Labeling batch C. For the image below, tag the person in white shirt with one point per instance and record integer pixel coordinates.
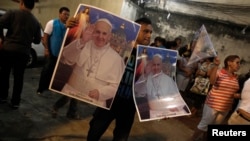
(241, 116)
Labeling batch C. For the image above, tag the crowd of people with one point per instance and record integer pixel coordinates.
(217, 106)
(225, 102)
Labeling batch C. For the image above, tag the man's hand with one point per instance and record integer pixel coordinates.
(71, 22)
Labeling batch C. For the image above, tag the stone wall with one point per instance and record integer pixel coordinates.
(226, 38)
(48, 9)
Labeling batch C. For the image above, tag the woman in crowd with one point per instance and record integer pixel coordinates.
(220, 99)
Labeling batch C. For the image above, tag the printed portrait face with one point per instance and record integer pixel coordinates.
(102, 33)
(156, 65)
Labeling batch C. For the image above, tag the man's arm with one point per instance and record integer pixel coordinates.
(47, 32)
(46, 44)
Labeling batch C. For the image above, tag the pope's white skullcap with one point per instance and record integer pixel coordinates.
(106, 21)
(158, 55)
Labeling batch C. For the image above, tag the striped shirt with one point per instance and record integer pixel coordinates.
(221, 96)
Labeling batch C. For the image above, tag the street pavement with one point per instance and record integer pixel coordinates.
(33, 120)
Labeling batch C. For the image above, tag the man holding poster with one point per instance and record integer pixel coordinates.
(123, 107)
(94, 77)
(98, 72)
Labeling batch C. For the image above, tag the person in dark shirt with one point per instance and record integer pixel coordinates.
(23, 29)
(123, 107)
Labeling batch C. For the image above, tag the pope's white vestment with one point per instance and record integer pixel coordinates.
(95, 68)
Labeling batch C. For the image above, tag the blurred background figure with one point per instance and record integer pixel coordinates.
(159, 42)
(23, 29)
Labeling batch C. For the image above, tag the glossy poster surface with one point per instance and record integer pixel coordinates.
(93, 56)
(155, 91)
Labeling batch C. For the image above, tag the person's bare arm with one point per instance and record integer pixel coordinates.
(46, 44)
(213, 72)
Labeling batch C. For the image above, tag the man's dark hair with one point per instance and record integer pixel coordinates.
(143, 20)
(158, 38)
(29, 4)
(177, 38)
(64, 9)
(229, 58)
